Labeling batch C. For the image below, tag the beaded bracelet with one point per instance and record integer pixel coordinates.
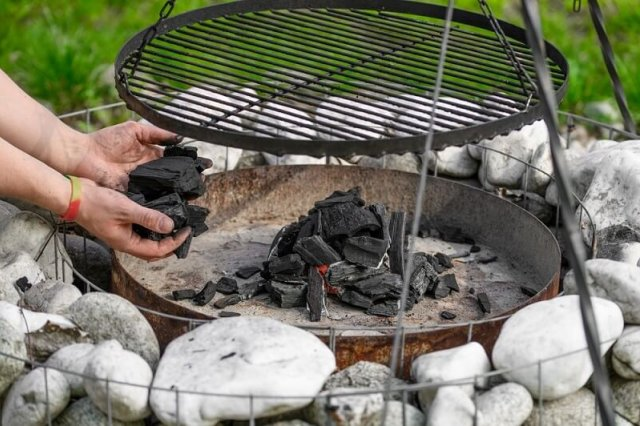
(74, 204)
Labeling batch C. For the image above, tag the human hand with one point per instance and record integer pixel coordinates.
(115, 151)
(110, 215)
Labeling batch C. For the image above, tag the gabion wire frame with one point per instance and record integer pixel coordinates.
(333, 331)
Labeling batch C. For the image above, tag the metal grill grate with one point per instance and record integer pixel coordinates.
(342, 77)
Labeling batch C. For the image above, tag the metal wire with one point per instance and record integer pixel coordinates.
(575, 249)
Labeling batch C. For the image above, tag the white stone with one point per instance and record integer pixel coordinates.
(33, 235)
(627, 252)
(626, 394)
(597, 145)
(83, 412)
(626, 354)
(539, 175)
(461, 363)
(14, 266)
(364, 374)
(452, 407)
(27, 321)
(508, 404)
(109, 362)
(399, 414)
(12, 344)
(339, 406)
(618, 282)
(7, 210)
(575, 409)
(108, 316)
(226, 356)
(549, 329)
(26, 402)
(51, 296)
(346, 118)
(407, 162)
(453, 161)
(287, 122)
(72, 358)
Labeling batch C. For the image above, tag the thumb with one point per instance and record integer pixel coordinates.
(152, 220)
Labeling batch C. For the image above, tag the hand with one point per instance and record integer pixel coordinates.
(115, 151)
(110, 215)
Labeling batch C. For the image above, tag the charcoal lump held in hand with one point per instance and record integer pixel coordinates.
(164, 185)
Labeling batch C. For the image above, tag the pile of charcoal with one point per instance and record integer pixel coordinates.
(165, 185)
(353, 252)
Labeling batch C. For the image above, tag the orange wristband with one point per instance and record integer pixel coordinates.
(74, 204)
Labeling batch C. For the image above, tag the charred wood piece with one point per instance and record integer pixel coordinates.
(423, 278)
(365, 251)
(378, 287)
(450, 281)
(486, 259)
(354, 298)
(251, 289)
(396, 249)
(388, 308)
(183, 294)
(315, 251)
(227, 285)
(437, 266)
(446, 315)
(290, 264)
(341, 273)
(228, 314)
(315, 295)
(380, 213)
(444, 260)
(441, 291)
(167, 175)
(347, 220)
(287, 295)
(340, 197)
(285, 240)
(483, 301)
(247, 271)
(206, 294)
(232, 299)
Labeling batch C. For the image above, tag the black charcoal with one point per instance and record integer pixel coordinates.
(202, 164)
(442, 291)
(315, 295)
(289, 279)
(454, 235)
(136, 198)
(228, 314)
(444, 260)
(528, 291)
(437, 266)
(365, 251)
(232, 299)
(347, 220)
(339, 197)
(182, 251)
(166, 175)
(344, 272)
(388, 308)
(432, 287)
(315, 251)
(483, 301)
(291, 264)
(396, 249)
(227, 285)
(474, 249)
(308, 227)
(450, 281)
(380, 213)
(250, 289)
(355, 298)
(486, 259)
(173, 206)
(206, 294)
(285, 240)
(199, 229)
(183, 294)
(247, 271)
(23, 284)
(472, 290)
(446, 315)
(181, 151)
(379, 287)
(196, 214)
(288, 295)
(423, 277)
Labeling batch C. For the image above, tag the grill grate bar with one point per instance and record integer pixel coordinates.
(294, 79)
(334, 51)
(454, 89)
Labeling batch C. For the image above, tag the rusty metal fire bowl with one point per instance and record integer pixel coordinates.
(249, 206)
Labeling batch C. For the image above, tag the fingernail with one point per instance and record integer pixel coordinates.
(166, 224)
(179, 138)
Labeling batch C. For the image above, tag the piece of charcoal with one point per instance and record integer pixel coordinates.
(202, 164)
(247, 271)
(365, 251)
(344, 272)
(441, 291)
(423, 277)
(315, 251)
(380, 213)
(436, 264)
(388, 308)
(396, 249)
(183, 294)
(23, 284)
(307, 227)
(347, 220)
(472, 290)
(181, 151)
(483, 301)
(250, 289)
(206, 294)
(450, 281)
(227, 285)
(528, 291)
(379, 287)
(315, 295)
(288, 295)
(289, 279)
(474, 249)
(290, 264)
(199, 229)
(166, 175)
(432, 287)
(486, 259)
(447, 315)
(173, 206)
(355, 298)
(196, 214)
(232, 299)
(339, 197)
(453, 234)
(444, 260)
(182, 251)
(284, 241)
(136, 197)
(228, 314)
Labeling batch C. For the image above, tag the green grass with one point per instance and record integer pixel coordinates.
(62, 52)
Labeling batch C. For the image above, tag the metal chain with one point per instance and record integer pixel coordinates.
(515, 62)
(151, 32)
(577, 5)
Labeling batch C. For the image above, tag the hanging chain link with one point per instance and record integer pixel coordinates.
(151, 32)
(577, 5)
(515, 62)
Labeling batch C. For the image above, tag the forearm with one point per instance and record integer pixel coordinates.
(26, 178)
(35, 130)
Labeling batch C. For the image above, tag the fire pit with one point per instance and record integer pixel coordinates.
(249, 207)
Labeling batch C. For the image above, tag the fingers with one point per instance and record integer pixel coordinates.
(155, 250)
(151, 219)
(155, 135)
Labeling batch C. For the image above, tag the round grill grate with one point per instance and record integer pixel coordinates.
(332, 77)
